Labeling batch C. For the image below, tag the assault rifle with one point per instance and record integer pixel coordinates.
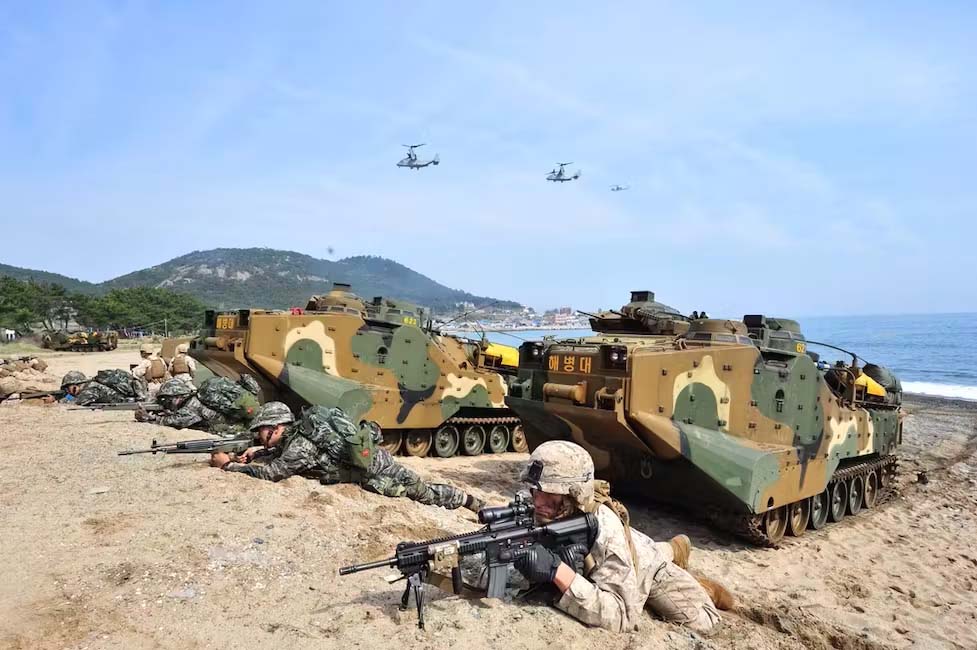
(509, 532)
(118, 406)
(203, 446)
(19, 397)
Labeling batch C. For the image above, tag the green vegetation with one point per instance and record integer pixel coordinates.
(232, 278)
(141, 308)
(25, 306)
(72, 285)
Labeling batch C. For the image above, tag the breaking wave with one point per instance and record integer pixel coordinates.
(954, 391)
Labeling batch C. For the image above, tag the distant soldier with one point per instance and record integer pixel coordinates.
(183, 407)
(112, 387)
(152, 369)
(183, 366)
(327, 446)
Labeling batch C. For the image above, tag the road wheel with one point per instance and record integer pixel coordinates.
(856, 492)
(838, 503)
(498, 439)
(885, 476)
(473, 440)
(418, 443)
(392, 441)
(446, 441)
(819, 511)
(798, 514)
(519, 442)
(775, 524)
(871, 490)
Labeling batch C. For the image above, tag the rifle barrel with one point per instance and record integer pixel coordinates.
(356, 568)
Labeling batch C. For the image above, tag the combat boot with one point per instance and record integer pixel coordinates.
(718, 594)
(681, 550)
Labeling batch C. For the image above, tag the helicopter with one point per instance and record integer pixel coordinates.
(620, 188)
(561, 176)
(411, 161)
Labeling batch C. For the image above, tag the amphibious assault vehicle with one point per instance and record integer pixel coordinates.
(428, 392)
(97, 341)
(733, 419)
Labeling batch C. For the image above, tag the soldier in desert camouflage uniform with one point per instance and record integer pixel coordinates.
(625, 571)
(183, 366)
(151, 369)
(327, 446)
(220, 406)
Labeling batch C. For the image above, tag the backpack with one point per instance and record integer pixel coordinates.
(227, 397)
(120, 381)
(602, 496)
(334, 434)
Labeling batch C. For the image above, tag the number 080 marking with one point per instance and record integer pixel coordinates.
(226, 322)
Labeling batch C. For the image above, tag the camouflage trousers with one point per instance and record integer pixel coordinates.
(390, 478)
(675, 595)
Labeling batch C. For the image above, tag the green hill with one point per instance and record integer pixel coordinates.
(70, 284)
(228, 278)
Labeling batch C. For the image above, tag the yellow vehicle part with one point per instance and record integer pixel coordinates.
(872, 387)
(508, 354)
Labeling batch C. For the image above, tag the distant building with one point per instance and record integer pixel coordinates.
(7, 336)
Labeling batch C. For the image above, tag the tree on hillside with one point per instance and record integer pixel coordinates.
(24, 304)
(140, 308)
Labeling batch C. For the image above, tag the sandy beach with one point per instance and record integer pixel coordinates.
(150, 551)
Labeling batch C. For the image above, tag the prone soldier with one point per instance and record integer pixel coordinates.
(327, 446)
(220, 406)
(624, 571)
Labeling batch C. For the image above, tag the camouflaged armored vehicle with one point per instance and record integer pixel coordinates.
(96, 341)
(733, 419)
(429, 393)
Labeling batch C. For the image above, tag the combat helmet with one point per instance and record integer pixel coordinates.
(175, 388)
(183, 348)
(562, 467)
(271, 414)
(73, 378)
(146, 348)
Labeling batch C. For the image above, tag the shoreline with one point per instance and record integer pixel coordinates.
(919, 399)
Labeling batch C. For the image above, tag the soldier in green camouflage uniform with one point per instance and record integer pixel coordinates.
(228, 410)
(327, 446)
(72, 384)
(112, 387)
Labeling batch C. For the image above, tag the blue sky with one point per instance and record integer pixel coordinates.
(786, 158)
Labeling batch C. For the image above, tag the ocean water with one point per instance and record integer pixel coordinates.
(933, 354)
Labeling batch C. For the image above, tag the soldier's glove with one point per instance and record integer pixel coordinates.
(142, 415)
(538, 564)
(573, 556)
